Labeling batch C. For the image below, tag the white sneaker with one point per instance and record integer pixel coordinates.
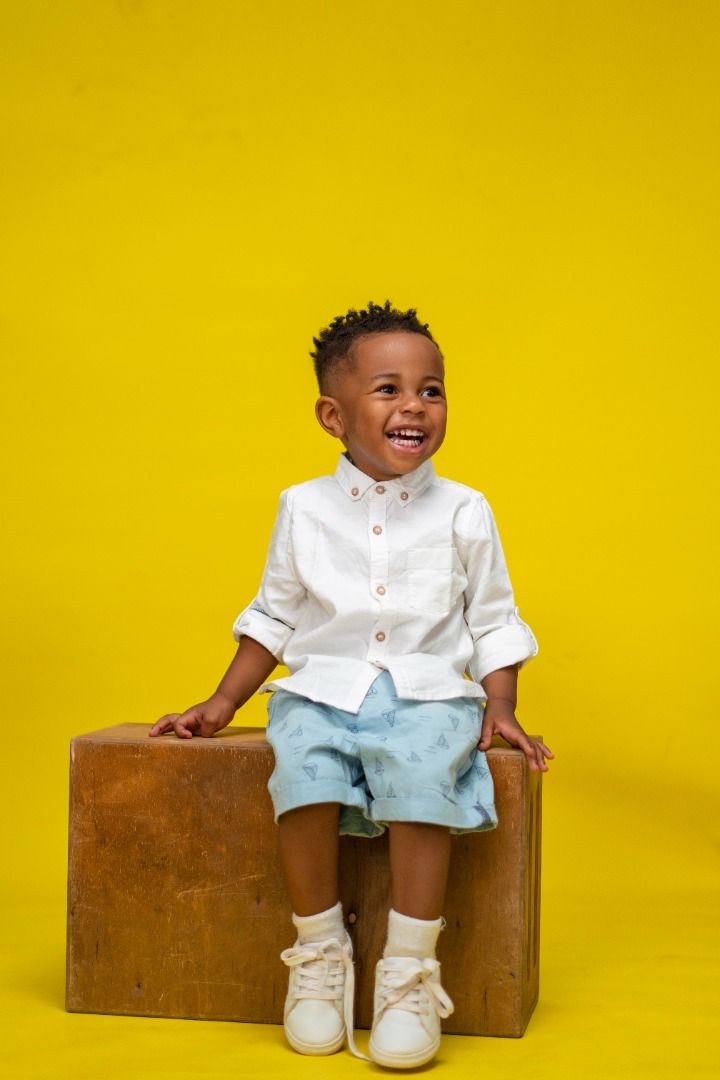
(319, 1004)
(409, 1002)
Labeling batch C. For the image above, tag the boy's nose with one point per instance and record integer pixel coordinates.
(412, 404)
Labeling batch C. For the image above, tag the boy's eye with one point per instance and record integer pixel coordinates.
(386, 388)
(432, 391)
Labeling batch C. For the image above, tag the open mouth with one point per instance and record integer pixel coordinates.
(407, 438)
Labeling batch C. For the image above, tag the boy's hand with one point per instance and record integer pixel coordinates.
(203, 719)
(500, 719)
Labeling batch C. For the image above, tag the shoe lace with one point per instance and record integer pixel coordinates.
(407, 985)
(316, 978)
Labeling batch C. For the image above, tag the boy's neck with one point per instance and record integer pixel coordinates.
(398, 476)
(347, 455)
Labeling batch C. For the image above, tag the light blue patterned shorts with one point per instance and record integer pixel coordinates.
(394, 760)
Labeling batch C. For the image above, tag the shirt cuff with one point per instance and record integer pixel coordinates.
(500, 647)
(255, 623)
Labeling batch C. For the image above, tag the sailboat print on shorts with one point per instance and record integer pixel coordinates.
(441, 742)
(389, 717)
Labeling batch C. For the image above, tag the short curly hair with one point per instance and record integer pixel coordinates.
(335, 342)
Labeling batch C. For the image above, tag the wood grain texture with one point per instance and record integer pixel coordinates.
(177, 905)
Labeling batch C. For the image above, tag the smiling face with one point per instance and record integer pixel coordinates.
(387, 403)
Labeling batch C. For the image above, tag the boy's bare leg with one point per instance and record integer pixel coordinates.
(419, 863)
(309, 853)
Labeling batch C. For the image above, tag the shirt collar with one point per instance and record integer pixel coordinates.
(403, 489)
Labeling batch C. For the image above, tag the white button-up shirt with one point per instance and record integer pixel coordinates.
(406, 575)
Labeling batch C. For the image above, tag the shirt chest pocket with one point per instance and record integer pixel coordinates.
(435, 579)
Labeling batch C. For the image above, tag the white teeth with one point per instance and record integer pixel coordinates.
(408, 438)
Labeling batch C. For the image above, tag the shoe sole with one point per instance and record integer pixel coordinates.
(404, 1061)
(316, 1049)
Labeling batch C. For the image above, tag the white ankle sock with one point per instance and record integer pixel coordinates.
(412, 937)
(325, 924)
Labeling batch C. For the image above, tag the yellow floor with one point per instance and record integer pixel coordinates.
(629, 990)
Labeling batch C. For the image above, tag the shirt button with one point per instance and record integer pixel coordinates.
(403, 495)
(380, 489)
(380, 590)
(377, 529)
(354, 491)
(380, 636)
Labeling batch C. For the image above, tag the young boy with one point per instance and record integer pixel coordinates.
(384, 584)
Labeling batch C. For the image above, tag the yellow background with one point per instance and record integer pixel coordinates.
(191, 191)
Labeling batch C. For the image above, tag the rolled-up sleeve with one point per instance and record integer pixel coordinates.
(500, 637)
(271, 617)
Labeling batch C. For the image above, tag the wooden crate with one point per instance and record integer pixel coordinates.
(177, 905)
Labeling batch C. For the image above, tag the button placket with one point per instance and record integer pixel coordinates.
(379, 562)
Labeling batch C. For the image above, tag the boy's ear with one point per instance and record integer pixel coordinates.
(327, 410)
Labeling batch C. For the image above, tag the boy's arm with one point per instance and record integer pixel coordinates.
(262, 631)
(272, 616)
(248, 670)
(502, 642)
(500, 637)
(501, 689)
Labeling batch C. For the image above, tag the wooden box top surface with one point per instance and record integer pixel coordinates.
(137, 734)
(231, 737)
